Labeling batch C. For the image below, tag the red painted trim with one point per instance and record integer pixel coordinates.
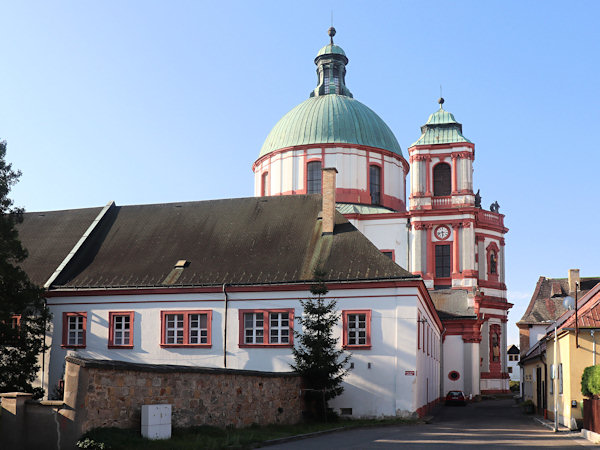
(65, 333)
(494, 375)
(345, 344)
(418, 148)
(186, 331)
(469, 329)
(491, 284)
(334, 285)
(111, 328)
(495, 303)
(324, 146)
(492, 249)
(266, 327)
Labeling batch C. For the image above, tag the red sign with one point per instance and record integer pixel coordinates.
(409, 373)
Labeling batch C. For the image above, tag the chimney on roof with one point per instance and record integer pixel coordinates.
(328, 199)
(573, 278)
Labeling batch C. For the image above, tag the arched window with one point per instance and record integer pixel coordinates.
(442, 180)
(375, 184)
(264, 186)
(313, 177)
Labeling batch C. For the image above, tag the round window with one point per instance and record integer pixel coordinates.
(454, 375)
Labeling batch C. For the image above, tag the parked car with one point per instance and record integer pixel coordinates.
(456, 398)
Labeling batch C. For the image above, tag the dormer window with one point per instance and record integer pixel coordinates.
(441, 180)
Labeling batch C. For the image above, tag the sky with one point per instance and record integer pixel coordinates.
(154, 101)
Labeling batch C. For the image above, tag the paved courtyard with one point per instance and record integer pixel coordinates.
(484, 425)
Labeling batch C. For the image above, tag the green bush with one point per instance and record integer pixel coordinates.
(590, 381)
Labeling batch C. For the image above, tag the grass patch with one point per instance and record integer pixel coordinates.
(213, 437)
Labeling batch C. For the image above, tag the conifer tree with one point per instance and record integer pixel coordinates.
(322, 366)
(23, 311)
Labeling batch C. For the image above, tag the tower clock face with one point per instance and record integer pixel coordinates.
(442, 232)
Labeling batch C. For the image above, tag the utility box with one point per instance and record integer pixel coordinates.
(156, 421)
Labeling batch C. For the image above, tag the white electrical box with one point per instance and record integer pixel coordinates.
(156, 421)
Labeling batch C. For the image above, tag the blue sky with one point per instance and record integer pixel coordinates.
(149, 102)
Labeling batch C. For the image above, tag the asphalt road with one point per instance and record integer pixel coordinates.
(488, 424)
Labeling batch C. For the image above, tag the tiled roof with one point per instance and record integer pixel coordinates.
(235, 241)
(547, 303)
(49, 237)
(588, 314)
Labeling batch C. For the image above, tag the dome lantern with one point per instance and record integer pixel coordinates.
(331, 64)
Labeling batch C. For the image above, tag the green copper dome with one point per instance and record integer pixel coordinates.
(327, 119)
(331, 115)
(331, 49)
(441, 128)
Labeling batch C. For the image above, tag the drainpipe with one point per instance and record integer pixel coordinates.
(594, 345)
(225, 326)
(555, 380)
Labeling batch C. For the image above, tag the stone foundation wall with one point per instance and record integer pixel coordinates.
(111, 393)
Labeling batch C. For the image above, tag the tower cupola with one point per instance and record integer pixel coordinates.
(441, 128)
(331, 64)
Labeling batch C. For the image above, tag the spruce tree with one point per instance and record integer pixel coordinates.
(322, 365)
(23, 311)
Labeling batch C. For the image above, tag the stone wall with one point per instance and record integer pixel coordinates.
(111, 393)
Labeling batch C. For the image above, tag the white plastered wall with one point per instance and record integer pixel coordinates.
(382, 389)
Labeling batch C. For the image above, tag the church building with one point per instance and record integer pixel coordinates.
(442, 235)
(419, 285)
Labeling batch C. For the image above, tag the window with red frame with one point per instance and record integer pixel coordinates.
(356, 329)
(120, 330)
(186, 328)
(74, 329)
(313, 177)
(266, 328)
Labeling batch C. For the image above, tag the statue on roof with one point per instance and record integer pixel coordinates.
(478, 199)
(495, 207)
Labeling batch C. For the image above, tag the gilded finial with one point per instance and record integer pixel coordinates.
(331, 33)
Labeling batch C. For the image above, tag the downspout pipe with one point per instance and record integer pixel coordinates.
(555, 381)
(226, 300)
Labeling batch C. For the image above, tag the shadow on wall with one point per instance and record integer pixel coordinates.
(32, 425)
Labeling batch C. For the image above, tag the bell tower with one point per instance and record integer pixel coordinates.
(458, 249)
(442, 203)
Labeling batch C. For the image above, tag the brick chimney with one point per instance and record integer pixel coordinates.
(328, 199)
(573, 278)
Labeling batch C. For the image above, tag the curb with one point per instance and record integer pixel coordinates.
(550, 425)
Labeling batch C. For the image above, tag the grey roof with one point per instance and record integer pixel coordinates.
(546, 304)
(49, 237)
(235, 241)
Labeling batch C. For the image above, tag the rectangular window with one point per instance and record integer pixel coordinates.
(74, 329)
(357, 329)
(186, 328)
(442, 261)
(375, 184)
(510, 370)
(266, 328)
(388, 253)
(560, 379)
(313, 177)
(120, 329)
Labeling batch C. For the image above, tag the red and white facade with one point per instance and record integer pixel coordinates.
(454, 245)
